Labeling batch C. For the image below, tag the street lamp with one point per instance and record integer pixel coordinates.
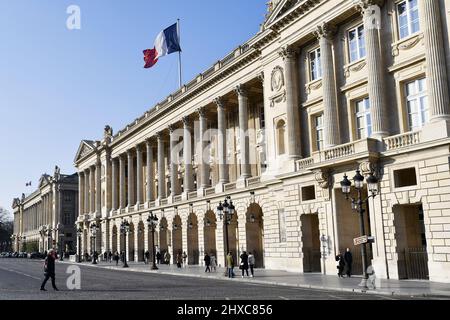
(357, 205)
(49, 238)
(225, 212)
(152, 221)
(94, 228)
(61, 251)
(79, 234)
(124, 229)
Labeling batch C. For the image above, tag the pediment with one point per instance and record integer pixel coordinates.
(277, 9)
(44, 180)
(85, 148)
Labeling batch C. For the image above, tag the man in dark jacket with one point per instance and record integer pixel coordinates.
(348, 258)
(49, 270)
(207, 260)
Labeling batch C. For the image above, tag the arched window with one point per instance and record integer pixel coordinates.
(281, 133)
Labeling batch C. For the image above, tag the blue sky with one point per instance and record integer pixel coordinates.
(59, 86)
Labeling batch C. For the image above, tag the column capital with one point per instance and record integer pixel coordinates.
(366, 4)
(129, 153)
(287, 52)
(201, 112)
(138, 147)
(186, 121)
(159, 135)
(172, 127)
(240, 90)
(219, 103)
(325, 30)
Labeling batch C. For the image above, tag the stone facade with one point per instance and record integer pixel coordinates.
(47, 216)
(325, 88)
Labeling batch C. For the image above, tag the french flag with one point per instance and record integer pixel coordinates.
(167, 42)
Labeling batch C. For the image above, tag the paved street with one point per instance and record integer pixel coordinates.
(21, 278)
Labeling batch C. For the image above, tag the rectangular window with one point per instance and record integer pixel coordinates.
(405, 177)
(319, 132)
(356, 43)
(408, 18)
(417, 103)
(363, 119)
(282, 224)
(315, 64)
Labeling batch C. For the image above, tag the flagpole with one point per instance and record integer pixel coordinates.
(179, 54)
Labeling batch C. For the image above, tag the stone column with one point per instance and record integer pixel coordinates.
(139, 175)
(131, 200)
(174, 155)
(98, 187)
(243, 132)
(122, 197)
(187, 154)
(325, 34)
(161, 168)
(204, 163)
(436, 71)
(86, 191)
(292, 106)
(114, 177)
(375, 68)
(92, 190)
(150, 172)
(80, 198)
(222, 141)
(108, 182)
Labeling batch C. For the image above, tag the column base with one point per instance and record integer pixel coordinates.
(220, 187)
(242, 182)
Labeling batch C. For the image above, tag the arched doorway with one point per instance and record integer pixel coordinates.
(163, 236)
(209, 232)
(192, 236)
(177, 237)
(311, 242)
(131, 248)
(114, 239)
(140, 248)
(254, 233)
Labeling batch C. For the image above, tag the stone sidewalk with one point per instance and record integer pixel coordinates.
(283, 278)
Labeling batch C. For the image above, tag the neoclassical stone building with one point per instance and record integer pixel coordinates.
(42, 217)
(325, 88)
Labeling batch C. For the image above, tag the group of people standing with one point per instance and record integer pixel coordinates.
(344, 262)
(247, 261)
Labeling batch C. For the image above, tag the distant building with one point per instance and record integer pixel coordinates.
(41, 218)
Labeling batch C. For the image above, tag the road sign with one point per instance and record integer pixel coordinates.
(360, 240)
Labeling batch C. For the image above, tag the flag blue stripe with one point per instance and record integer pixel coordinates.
(172, 39)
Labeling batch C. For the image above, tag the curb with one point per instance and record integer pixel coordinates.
(294, 285)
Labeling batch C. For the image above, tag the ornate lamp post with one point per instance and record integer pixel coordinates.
(124, 229)
(357, 205)
(225, 212)
(79, 234)
(49, 238)
(94, 228)
(152, 221)
(61, 251)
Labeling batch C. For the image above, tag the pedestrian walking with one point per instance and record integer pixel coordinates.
(184, 259)
(244, 263)
(158, 257)
(207, 260)
(251, 262)
(213, 262)
(49, 270)
(167, 258)
(230, 265)
(348, 258)
(105, 256)
(116, 258)
(147, 256)
(179, 260)
(340, 264)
